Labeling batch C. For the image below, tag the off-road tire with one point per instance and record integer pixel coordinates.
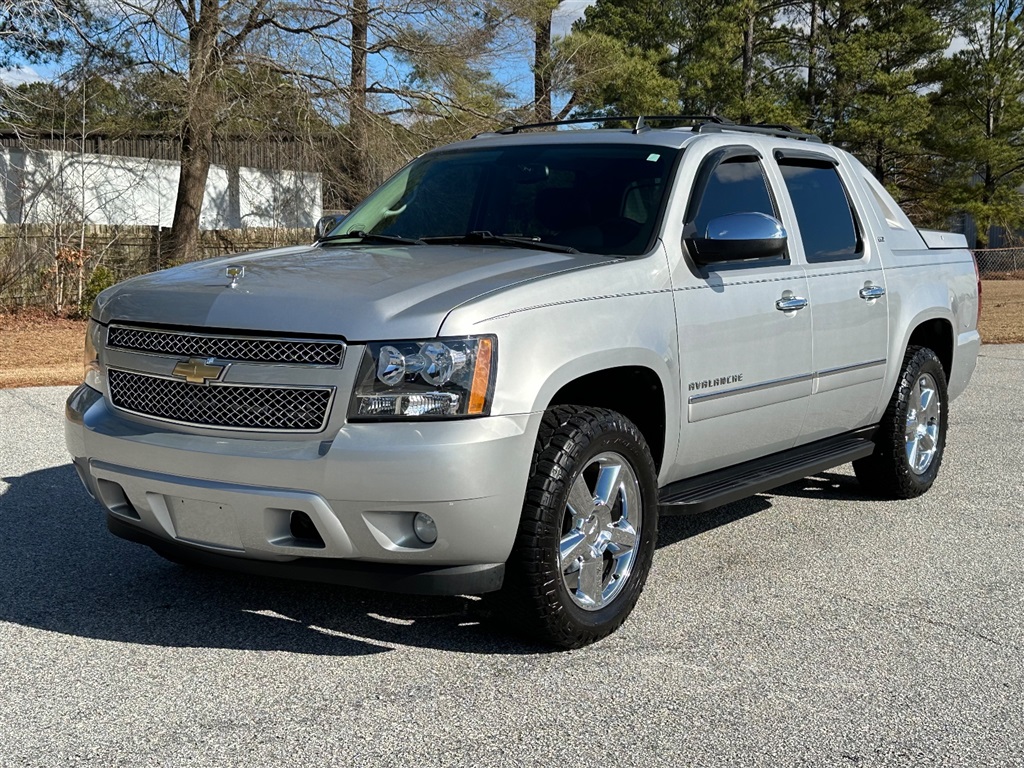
(887, 473)
(535, 599)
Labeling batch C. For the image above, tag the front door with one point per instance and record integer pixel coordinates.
(745, 331)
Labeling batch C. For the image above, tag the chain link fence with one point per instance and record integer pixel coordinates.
(1004, 263)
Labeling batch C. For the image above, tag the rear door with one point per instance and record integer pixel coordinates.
(846, 288)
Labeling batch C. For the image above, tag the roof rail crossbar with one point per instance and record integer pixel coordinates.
(769, 129)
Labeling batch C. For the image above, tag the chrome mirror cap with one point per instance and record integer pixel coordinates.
(324, 226)
(738, 237)
(746, 226)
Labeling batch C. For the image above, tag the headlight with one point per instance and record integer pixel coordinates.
(93, 374)
(440, 378)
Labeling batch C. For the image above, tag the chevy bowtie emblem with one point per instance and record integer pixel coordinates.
(196, 370)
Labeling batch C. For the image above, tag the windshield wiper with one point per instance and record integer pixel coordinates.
(486, 238)
(371, 237)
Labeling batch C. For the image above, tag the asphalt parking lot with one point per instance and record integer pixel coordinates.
(808, 626)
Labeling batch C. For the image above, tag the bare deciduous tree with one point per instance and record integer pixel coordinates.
(200, 42)
(339, 54)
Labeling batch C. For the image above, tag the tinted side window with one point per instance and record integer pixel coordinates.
(827, 225)
(737, 185)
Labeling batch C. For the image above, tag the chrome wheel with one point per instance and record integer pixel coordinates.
(924, 412)
(600, 531)
(589, 525)
(911, 434)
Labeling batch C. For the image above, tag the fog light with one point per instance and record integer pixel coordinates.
(425, 528)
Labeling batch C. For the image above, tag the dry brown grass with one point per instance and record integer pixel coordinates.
(37, 349)
(1002, 311)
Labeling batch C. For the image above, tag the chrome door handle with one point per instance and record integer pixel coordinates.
(790, 304)
(872, 292)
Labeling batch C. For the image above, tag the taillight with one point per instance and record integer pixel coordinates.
(977, 277)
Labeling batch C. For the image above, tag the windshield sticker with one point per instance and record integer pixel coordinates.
(653, 157)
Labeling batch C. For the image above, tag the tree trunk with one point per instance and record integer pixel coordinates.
(542, 65)
(358, 117)
(812, 69)
(196, 148)
(196, 131)
(748, 63)
(840, 87)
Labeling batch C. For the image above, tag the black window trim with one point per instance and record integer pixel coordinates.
(793, 156)
(707, 167)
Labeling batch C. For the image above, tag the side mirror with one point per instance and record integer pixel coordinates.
(739, 236)
(325, 225)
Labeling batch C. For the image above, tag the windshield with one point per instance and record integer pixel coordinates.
(596, 198)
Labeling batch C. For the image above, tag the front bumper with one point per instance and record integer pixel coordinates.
(232, 501)
(411, 579)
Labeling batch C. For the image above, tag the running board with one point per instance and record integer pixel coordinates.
(713, 489)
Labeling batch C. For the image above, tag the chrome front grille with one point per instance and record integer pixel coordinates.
(228, 406)
(243, 349)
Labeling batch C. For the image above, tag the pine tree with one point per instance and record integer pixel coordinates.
(979, 121)
(727, 57)
(879, 60)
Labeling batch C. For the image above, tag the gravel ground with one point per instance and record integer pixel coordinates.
(808, 626)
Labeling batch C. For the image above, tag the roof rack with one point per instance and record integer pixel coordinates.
(639, 121)
(770, 129)
(702, 124)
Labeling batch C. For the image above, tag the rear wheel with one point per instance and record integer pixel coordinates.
(588, 528)
(912, 435)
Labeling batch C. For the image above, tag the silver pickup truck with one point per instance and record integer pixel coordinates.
(499, 370)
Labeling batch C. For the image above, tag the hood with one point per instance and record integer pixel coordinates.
(361, 293)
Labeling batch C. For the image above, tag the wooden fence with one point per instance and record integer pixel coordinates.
(47, 266)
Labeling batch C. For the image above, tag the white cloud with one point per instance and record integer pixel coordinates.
(956, 45)
(566, 13)
(19, 75)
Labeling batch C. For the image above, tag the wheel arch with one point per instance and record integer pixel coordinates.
(936, 333)
(635, 391)
(933, 330)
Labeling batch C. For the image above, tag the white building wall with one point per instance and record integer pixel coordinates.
(47, 187)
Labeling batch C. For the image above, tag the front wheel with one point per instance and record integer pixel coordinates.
(912, 434)
(588, 528)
